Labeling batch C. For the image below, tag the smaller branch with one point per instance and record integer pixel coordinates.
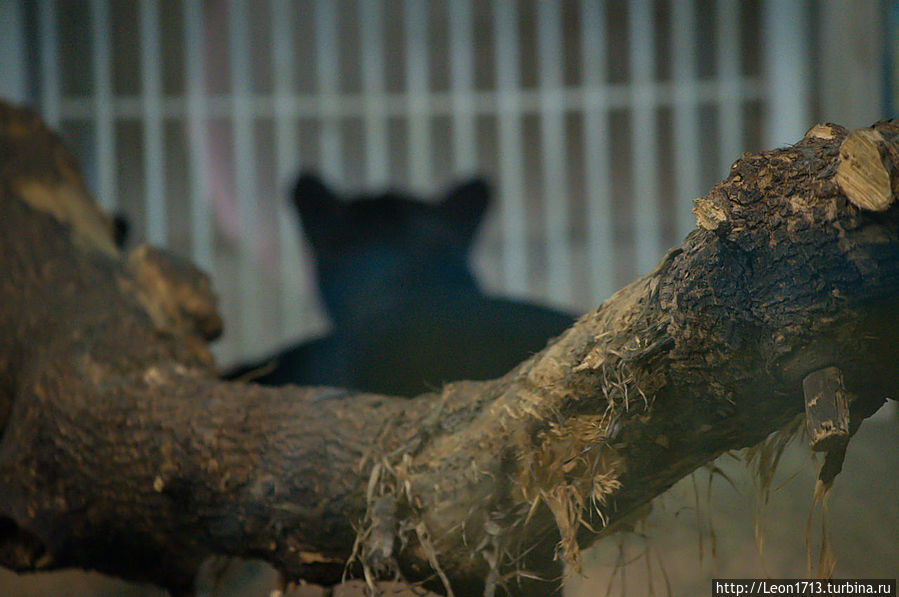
(826, 409)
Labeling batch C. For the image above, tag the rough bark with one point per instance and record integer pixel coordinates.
(123, 453)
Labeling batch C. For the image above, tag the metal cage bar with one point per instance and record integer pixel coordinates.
(727, 42)
(552, 143)
(245, 183)
(151, 100)
(598, 183)
(647, 242)
(49, 66)
(372, 61)
(328, 102)
(461, 42)
(787, 69)
(511, 171)
(292, 259)
(686, 114)
(415, 22)
(14, 80)
(201, 220)
(101, 62)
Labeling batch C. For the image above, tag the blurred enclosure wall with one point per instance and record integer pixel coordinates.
(598, 122)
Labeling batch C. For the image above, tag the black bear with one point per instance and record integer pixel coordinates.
(406, 310)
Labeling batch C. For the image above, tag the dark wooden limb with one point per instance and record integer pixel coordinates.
(122, 452)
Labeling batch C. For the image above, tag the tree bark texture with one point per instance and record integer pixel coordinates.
(122, 452)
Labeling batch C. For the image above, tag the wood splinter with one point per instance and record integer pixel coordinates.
(826, 409)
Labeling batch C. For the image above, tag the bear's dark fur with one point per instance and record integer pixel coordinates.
(406, 310)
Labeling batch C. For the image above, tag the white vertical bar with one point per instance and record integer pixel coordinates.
(857, 73)
(416, 25)
(287, 153)
(103, 110)
(327, 75)
(552, 136)
(598, 181)
(686, 114)
(511, 174)
(786, 69)
(245, 178)
(195, 80)
(462, 84)
(47, 34)
(14, 82)
(287, 157)
(151, 96)
(372, 43)
(643, 134)
(727, 45)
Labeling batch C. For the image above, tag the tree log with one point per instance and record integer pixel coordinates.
(123, 453)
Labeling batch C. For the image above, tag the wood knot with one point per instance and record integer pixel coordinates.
(709, 212)
(825, 132)
(177, 295)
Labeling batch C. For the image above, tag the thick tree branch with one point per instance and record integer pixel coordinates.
(122, 452)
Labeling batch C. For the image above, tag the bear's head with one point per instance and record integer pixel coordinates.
(379, 253)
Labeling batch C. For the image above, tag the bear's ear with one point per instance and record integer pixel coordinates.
(465, 205)
(317, 204)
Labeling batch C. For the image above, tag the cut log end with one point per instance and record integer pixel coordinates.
(862, 173)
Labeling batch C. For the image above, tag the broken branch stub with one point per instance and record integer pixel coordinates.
(826, 409)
